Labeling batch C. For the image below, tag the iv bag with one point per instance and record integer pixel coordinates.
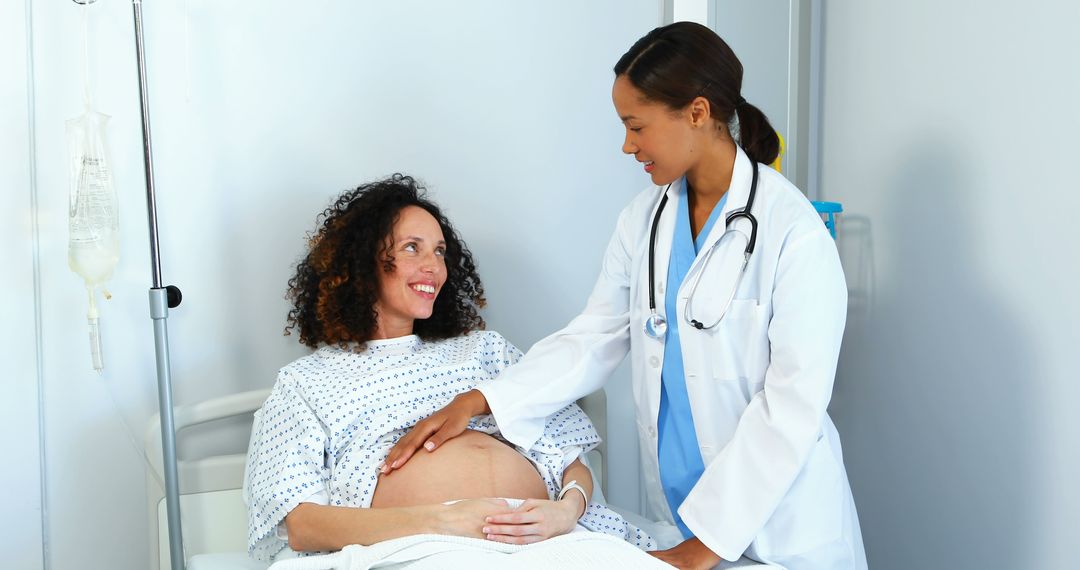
(93, 221)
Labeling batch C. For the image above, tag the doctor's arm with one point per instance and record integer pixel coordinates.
(744, 484)
(567, 365)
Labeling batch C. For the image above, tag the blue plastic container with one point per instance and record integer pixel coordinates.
(829, 211)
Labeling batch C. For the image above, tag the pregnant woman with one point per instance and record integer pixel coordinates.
(389, 295)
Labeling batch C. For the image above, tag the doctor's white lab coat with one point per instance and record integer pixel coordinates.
(774, 486)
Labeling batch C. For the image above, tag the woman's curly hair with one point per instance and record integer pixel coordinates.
(336, 285)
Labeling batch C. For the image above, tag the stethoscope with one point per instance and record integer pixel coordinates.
(655, 325)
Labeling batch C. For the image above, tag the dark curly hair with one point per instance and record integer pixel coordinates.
(336, 285)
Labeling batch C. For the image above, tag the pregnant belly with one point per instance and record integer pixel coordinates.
(471, 466)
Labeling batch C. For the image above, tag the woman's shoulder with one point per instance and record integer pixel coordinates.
(317, 364)
(472, 340)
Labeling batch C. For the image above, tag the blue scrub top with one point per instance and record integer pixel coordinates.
(677, 447)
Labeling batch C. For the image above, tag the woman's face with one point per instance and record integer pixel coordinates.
(408, 292)
(661, 139)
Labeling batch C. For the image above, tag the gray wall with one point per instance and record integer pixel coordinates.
(759, 31)
(262, 112)
(950, 135)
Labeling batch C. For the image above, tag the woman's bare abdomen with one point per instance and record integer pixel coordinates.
(470, 466)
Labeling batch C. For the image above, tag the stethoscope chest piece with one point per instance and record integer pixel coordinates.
(655, 326)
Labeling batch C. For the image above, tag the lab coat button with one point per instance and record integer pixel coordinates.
(654, 361)
(652, 432)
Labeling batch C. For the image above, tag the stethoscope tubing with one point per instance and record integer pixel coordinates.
(652, 250)
(744, 213)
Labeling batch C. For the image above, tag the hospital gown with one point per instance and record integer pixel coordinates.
(334, 415)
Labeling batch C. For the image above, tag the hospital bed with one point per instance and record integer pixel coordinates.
(214, 516)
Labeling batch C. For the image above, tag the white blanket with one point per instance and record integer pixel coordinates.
(433, 551)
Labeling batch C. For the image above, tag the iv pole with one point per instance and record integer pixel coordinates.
(161, 300)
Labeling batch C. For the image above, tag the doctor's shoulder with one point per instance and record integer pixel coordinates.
(643, 204)
(634, 218)
(788, 209)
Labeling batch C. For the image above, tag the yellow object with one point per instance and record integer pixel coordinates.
(780, 155)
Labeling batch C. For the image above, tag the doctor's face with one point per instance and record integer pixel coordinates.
(659, 138)
(408, 292)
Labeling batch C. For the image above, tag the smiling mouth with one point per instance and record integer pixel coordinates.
(422, 288)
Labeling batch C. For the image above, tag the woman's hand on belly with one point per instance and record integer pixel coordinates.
(472, 466)
(533, 521)
(467, 518)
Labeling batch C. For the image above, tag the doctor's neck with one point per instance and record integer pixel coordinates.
(710, 174)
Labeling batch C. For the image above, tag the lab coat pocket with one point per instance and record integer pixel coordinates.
(742, 342)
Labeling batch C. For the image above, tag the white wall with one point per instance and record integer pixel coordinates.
(947, 129)
(950, 135)
(261, 113)
(20, 476)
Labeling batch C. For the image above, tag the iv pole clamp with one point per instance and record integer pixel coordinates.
(161, 300)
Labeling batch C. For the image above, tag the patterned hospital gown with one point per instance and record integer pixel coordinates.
(333, 416)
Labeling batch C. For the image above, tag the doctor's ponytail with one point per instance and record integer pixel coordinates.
(756, 135)
(677, 63)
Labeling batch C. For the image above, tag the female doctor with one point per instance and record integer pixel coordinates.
(726, 289)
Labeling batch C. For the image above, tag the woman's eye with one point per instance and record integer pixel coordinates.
(410, 247)
(440, 251)
(636, 129)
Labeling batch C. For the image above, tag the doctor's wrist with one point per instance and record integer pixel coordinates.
(473, 402)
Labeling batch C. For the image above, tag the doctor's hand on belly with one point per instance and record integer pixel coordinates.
(437, 428)
(472, 466)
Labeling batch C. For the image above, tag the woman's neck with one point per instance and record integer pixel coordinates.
(392, 328)
(709, 180)
(710, 177)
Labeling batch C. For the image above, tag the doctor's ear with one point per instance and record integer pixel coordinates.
(700, 112)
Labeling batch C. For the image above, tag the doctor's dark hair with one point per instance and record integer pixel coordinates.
(677, 63)
(336, 285)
